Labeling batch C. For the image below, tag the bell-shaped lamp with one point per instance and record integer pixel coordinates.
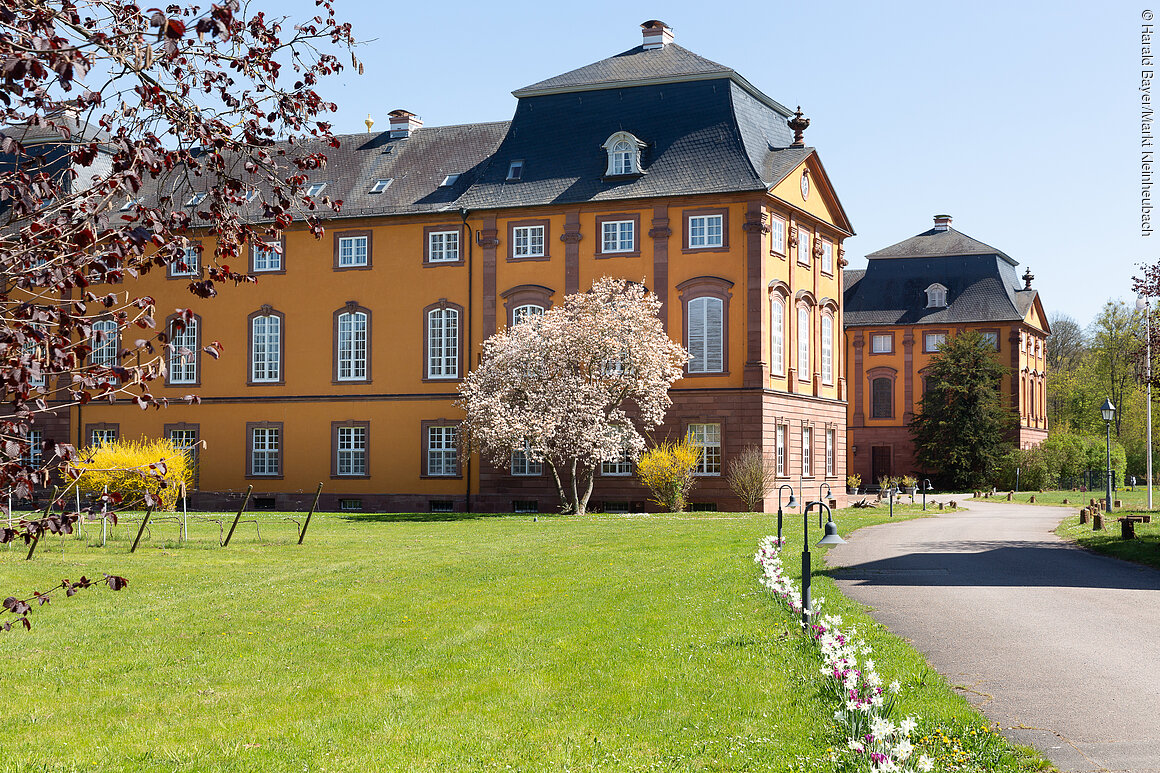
(831, 537)
(1108, 410)
(792, 501)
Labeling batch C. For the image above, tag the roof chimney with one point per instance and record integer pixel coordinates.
(403, 123)
(657, 34)
(942, 222)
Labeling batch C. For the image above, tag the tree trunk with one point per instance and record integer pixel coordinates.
(577, 505)
(565, 505)
(590, 477)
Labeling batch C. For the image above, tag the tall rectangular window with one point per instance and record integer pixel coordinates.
(443, 343)
(352, 346)
(805, 246)
(807, 452)
(352, 251)
(443, 247)
(827, 349)
(706, 231)
(266, 348)
(442, 451)
(827, 256)
(528, 241)
(831, 437)
(183, 353)
(350, 450)
(618, 236)
(188, 265)
(882, 343)
(707, 437)
(267, 257)
(265, 451)
(104, 343)
(777, 235)
(706, 335)
(777, 336)
(35, 454)
(781, 451)
(803, 342)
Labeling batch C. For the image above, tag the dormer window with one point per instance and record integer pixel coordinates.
(936, 296)
(516, 170)
(623, 155)
(381, 185)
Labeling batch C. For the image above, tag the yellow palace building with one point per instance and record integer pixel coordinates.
(341, 364)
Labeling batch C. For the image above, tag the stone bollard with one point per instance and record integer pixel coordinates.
(1083, 516)
(940, 505)
(1032, 499)
(1117, 503)
(952, 504)
(1127, 528)
(1097, 522)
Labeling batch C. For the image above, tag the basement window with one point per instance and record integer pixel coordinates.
(702, 507)
(449, 180)
(516, 170)
(525, 506)
(264, 503)
(349, 505)
(442, 506)
(381, 184)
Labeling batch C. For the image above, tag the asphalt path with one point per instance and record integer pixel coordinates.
(1059, 646)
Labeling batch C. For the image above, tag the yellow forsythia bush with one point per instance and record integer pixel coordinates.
(667, 471)
(124, 466)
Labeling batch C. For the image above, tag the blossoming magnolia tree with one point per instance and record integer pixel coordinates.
(125, 132)
(573, 387)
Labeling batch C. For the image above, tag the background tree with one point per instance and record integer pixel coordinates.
(560, 387)
(1116, 336)
(960, 426)
(751, 475)
(113, 116)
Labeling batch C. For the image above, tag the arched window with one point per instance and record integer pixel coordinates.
(266, 347)
(623, 151)
(882, 398)
(936, 296)
(351, 335)
(827, 349)
(520, 313)
(803, 343)
(443, 343)
(777, 335)
(705, 339)
(104, 343)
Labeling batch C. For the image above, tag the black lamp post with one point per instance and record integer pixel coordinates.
(831, 538)
(925, 488)
(821, 498)
(792, 503)
(1109, 412)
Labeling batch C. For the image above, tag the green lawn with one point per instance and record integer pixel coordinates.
(431, 643)
(1145, 549)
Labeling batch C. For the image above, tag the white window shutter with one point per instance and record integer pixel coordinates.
(697, 335)
(714, 335)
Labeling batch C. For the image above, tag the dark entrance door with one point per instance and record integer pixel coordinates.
(880, 462)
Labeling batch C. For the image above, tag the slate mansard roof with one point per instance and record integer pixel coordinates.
(981, 283)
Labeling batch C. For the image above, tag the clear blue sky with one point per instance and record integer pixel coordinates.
(1019, 119)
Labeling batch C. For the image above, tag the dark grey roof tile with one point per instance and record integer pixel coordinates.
(634, 65)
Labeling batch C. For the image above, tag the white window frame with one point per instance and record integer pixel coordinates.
(617, 236)
(876, 338)
(195, 199)
(315, 188)
(781, 434)
(35, 456)
(992, 337)
(707, 437)
(443, 343)
(523, 467)
(936, 296)
(831, 440)
(807, 451)
(617, 468)
(353, 334)
(777, 335)
(192, 261)
(381, 184)
(266, 348)
(516, 170)
(827, 256)
(449, 180)
(827, 349)
(265, 451)
(623, 151)
(708, 351)
(103, 340)
(443, 246)
(100, 437)
(523, 311)
(267, 256)
(183, 367)
(351, 451)
(937, 338)
(777, 226)
(803, 343)
(528, 241)
(805, 246)
(353, 251)
(442, 447)
(706, 231)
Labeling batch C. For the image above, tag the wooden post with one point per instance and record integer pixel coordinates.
(1097, 522)
(237, 517)
(184, 514)
(1127, 528)
(141, 531)
(1083, 516)
(306, 525)
(1032, 499)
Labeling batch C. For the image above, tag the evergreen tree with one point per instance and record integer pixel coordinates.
(960, 428)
